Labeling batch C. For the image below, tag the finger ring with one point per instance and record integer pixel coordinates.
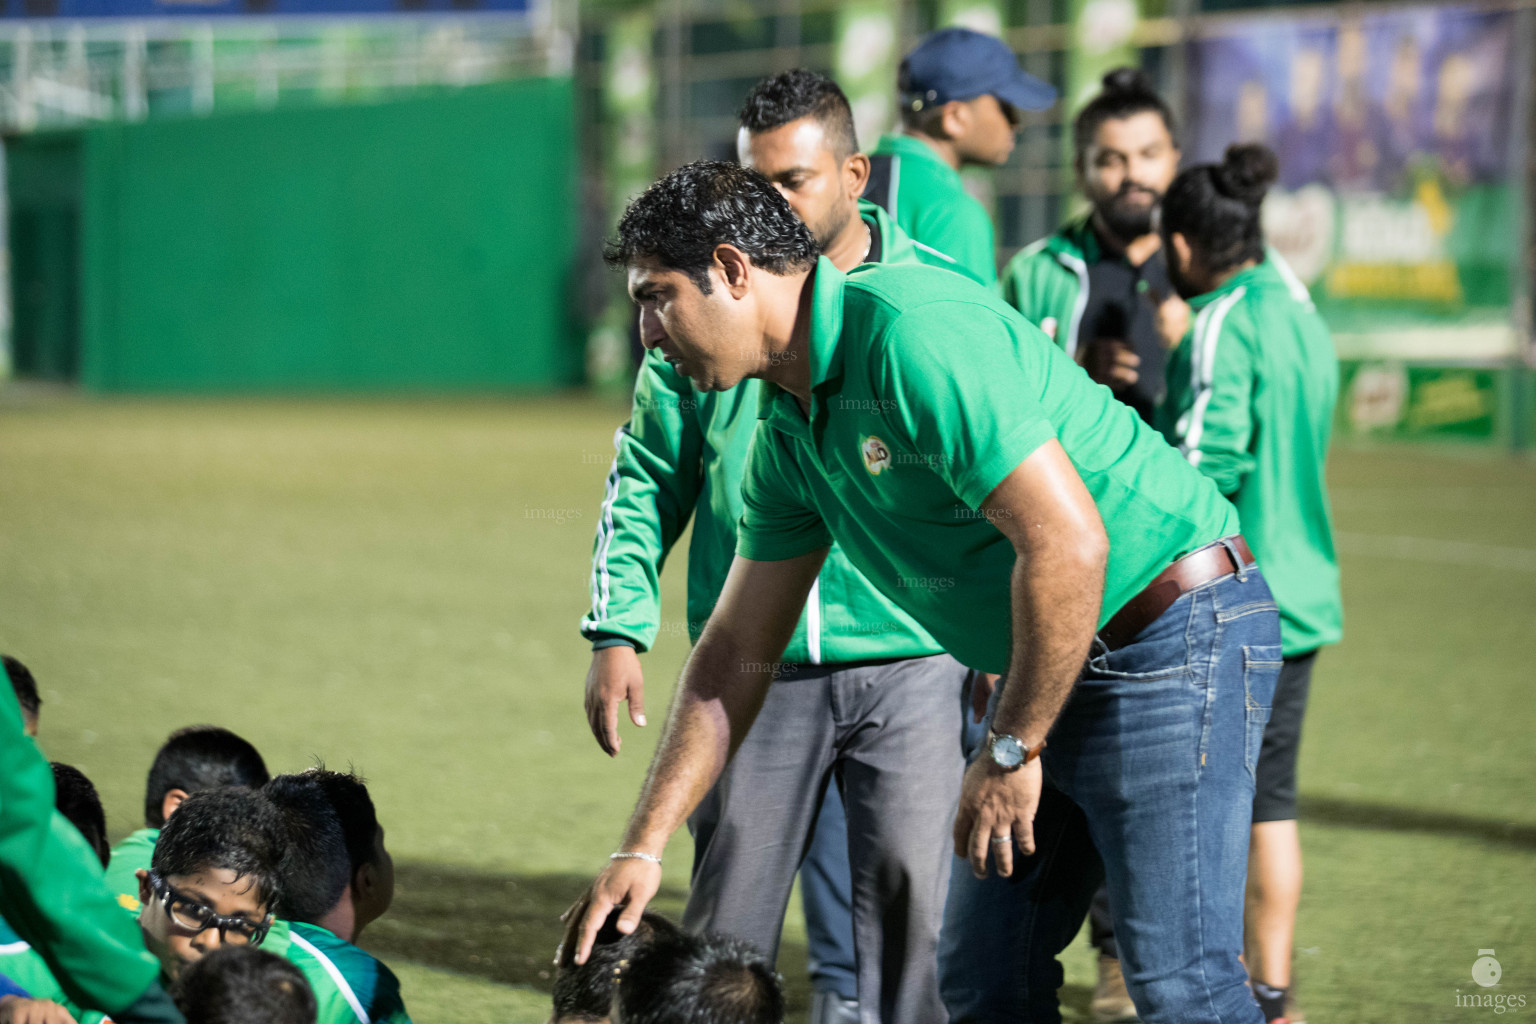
(999, 840)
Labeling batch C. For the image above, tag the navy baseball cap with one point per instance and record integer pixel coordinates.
(961, 64)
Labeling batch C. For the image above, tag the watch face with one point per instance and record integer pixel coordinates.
(1007, 751)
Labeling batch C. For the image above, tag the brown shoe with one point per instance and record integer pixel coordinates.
(1111, 1002)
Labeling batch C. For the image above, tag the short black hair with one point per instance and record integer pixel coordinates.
(1217, 206)
(233, 828)
(196, 758)
(24, 685)
(680, 219)
(584, 992)
(314, 868)
(244, 985)
(76, 798)
(796, 93)
(700, 979)
(349, 798)
(1126, 93)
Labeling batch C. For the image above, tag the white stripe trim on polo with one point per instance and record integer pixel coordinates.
(335, 973)
(12, 948)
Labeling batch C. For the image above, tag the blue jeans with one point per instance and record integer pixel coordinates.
(1149, 778)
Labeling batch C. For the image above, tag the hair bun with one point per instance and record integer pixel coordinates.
(1246, 172)
(1127, 81)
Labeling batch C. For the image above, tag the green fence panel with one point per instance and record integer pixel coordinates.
(419, 245)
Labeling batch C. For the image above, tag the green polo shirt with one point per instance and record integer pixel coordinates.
(134, 852)
(927, 200)
(907, 436)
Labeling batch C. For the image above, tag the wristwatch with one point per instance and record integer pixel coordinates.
(1009, 752)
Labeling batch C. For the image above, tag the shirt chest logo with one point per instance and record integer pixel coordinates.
(877, 455)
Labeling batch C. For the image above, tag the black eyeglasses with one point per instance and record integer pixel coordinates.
(192, 917)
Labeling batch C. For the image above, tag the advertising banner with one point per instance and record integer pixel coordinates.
(1395, 202)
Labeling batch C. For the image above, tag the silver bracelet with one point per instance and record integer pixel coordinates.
(634, 856)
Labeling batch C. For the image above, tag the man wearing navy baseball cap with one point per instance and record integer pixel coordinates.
(962, 98)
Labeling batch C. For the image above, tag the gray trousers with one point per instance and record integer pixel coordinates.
(891, 735)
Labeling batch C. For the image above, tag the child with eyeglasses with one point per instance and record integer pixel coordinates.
(214, 877)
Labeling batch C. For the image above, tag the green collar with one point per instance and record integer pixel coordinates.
(825, 350)
(1253, 275)
(905, 145)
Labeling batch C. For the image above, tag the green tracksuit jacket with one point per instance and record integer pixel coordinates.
(928, 201)
(52, 892)
(1251, 392)
(1048, 281)
(682, 454)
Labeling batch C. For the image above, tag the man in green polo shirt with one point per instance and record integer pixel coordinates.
(1035, 526)
(682, 454)
(962, 98)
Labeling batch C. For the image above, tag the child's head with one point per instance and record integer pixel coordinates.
(699, 979)
(242, 985)
(76, 799)
(584, 992)
(372, 869)
(214, 878)
(26, 692)
(314, 868)
(196, 758)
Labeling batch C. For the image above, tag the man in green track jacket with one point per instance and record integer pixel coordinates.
(1251, 394)
(683, 453)
(962, 101)
(52, 892)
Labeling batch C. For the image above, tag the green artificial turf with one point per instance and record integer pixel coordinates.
(396, 586)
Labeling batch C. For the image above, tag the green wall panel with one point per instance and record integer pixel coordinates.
(416, 245)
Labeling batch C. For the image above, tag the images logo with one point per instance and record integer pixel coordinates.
(1486, 970)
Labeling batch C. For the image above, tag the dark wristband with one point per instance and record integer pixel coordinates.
(608, 640)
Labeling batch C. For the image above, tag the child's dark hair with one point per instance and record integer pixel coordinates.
(1126, 93)
(78, 801)
(244, 985)
(584, 992)
(233, 828)
(24, 685)
(700, 979)
(349, 798)
(1216, 207)
(196, 758)
(314, 868)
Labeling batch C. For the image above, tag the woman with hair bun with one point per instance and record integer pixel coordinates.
(1251, 392)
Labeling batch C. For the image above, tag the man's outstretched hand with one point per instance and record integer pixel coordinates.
(630, 883)
(615, 676)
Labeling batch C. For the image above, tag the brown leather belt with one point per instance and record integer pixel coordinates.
(1199, 566)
